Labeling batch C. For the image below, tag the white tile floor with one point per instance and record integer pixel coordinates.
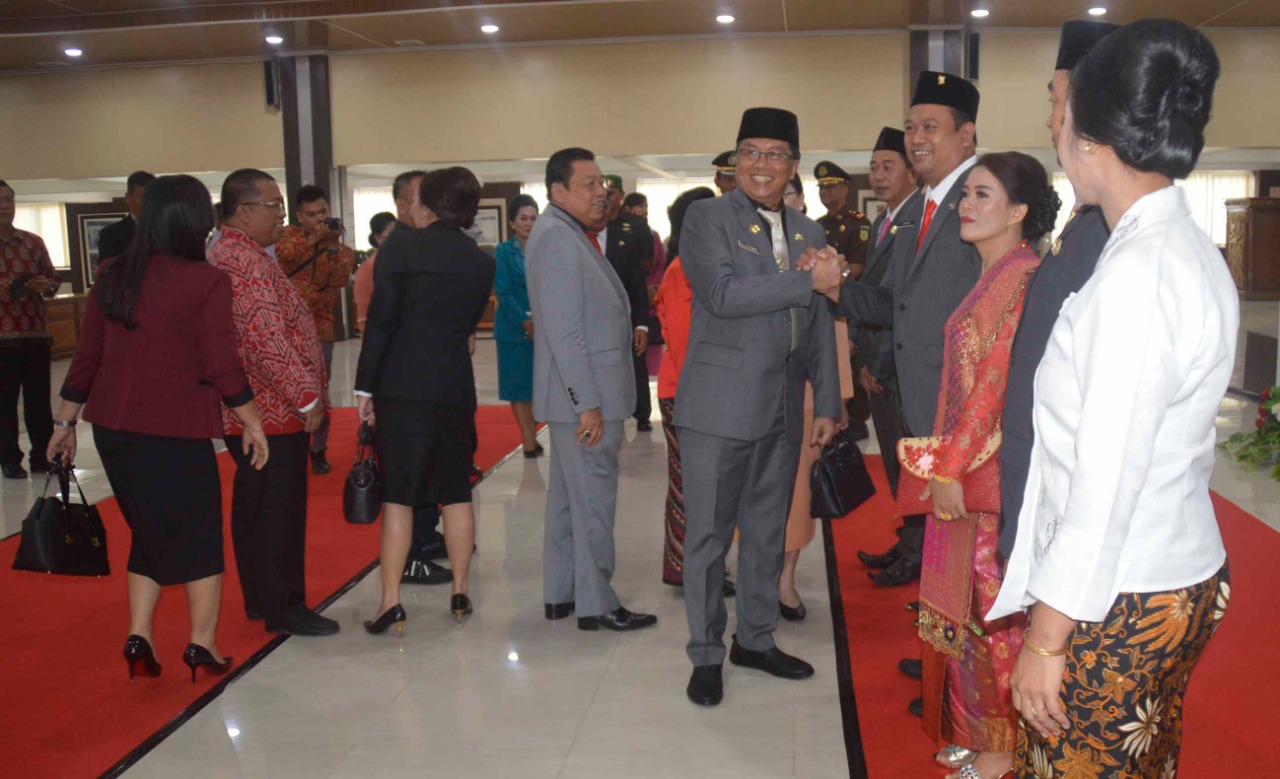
(509, 694)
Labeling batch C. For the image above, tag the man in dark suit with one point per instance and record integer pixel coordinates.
(628, 246)
(931, 272)
(1063, 271)
(116, 237)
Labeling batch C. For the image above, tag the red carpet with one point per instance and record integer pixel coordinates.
(1231, 712)
(69, 710)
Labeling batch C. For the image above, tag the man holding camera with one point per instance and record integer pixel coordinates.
(313, 257)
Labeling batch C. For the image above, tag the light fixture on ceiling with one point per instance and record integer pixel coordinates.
(275, 40)
(725, 18)
(1098, 11)
(72, 52)
(979, 13)
(488, 29)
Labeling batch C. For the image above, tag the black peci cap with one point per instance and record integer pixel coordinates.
(830, 173)
(1077, 39)
(936, 88)
(891, 140)
(776, 124)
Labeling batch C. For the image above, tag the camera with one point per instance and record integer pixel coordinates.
(333, 223)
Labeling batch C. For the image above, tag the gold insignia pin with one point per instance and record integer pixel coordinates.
(755, 229)
(822, 171)
(799, 237)
(893, 230)
(864, 233)
(622, 243)
(1057, 247)
(942, 80)
(951, 206)
(842, 228)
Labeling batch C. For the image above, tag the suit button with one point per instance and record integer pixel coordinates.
(902, 306)
(899, 346)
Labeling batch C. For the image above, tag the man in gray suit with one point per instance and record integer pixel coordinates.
(931, 272)
(757, 333)
(583, 388)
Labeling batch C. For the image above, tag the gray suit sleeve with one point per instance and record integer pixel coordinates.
(560, 288)
(866, 304)
(824, 371)
(707, 255)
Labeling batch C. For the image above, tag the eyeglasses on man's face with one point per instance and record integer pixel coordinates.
(773, 156)
(278, 205)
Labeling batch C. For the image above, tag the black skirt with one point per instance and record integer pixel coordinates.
(169, 493)
(424, 451)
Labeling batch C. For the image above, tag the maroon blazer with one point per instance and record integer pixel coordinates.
(163, 377)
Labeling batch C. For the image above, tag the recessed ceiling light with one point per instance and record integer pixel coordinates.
(73, 52)
(489, 29)
(275, 40)
(725, 19)
(1099, 11)
(980, 13)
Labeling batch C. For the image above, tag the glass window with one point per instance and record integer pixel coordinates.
(365, 202)
(49, 221)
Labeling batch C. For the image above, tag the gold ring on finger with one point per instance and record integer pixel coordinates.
(1033, 711)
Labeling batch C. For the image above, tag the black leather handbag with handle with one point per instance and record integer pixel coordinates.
(839, 481)
(362, 494)
(62, 537)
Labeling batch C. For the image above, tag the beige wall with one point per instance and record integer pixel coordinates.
(173, 119)
(618, 100)
(1016, 66)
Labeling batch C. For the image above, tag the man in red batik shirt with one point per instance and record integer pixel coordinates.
(277, 340)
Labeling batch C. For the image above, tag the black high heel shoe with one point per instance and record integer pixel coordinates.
(196, 656)
(792, 615)
(136, 648)
(460, 605)
(392, 616)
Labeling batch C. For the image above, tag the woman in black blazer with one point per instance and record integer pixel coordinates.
(431, 286)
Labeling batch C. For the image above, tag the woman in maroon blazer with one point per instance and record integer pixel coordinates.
(157, 351)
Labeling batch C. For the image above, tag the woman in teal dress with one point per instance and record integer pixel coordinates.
(513, 326)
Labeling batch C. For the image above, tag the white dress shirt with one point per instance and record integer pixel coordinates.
(1126, 396)
(943, 190)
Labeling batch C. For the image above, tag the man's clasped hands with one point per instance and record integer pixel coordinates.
(828, 268)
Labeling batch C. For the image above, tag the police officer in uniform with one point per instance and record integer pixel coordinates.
(628, 246)
(849, 232)
(726, 169)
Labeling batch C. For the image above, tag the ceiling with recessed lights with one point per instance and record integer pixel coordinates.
(36, 34)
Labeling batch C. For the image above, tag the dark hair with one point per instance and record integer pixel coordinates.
(5, 184)
(309, 193)
(634, 199)
(676, 212)
(452, 194)
(377, 223)
(1026, 183)
(518, 202)
(799, 185)
(961, 118)
(139, 178)
(560, 166)
(402, 188)
(1146, 90)
(175, 219)
(240, 187)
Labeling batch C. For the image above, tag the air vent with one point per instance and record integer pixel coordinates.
(54, 64)
(410, 42)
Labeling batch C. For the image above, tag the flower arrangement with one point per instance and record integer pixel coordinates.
(1262, 446)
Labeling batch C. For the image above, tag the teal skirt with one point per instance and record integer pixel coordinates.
(515, 371)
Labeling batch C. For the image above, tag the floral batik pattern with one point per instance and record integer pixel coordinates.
(1124, 684)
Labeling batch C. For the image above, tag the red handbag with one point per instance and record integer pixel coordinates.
(981, 482)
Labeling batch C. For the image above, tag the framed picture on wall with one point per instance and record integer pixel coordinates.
(870, 205)
(91, 226)
(490, 228)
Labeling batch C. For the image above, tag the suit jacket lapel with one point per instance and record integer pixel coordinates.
(601, 263)
(796, 242)
(757, 237)
(945, 210)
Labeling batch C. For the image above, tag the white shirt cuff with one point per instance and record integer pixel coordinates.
(363, 394)
(309, 406)
(643, 327)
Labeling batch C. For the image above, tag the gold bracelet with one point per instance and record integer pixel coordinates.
(1042, 652)
(943, 479)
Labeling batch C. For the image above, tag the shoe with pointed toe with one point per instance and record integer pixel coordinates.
(883, 560)
(558, 610)
(916, 707)
(792, 615)
(772, 661)
(619, 620)
(913, 606)
(912, 669)
(138, 650)
(392, 616)
(706, 685)
(319, 464)
(460, 606)
(196, 656)
(904, 570)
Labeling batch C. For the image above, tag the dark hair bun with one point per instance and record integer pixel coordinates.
(1146, 90)
(1042, 214)
(452, 194)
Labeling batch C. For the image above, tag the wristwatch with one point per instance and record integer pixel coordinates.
(65, 422)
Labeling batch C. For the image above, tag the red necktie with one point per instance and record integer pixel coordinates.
(929, 208)
(595, 241)
(884, 230)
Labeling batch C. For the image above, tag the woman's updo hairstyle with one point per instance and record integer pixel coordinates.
(1027, 184)
(452, 194)
(1146, 90)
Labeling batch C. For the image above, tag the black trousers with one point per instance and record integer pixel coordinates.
(24, 367)
(269, 529)
(888, 421)
(644, 405)
(911, 534)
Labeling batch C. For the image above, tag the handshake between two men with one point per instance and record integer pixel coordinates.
(829, 270)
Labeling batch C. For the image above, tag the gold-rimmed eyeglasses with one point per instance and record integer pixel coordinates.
(751, 155)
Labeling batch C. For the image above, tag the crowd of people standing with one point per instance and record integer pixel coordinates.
(1065, 390)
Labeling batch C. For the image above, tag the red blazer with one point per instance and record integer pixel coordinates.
(165, 376)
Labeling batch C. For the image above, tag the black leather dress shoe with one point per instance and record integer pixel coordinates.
(311, 625)
(916, 707)
(881, 560)
(13, 471)
(773, 661)
(706, 687)
(558, 610)
(644, 426)
(913, 669)
(619, 619)
(38, 466)
(319, 464)
(426, 572)
(859, 431)
(914, 606)
(792, 615)
(904, 571)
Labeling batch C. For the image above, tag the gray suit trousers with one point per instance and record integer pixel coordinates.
(577, 543)
(727, 484)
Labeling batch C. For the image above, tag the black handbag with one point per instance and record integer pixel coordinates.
(839, 481)
(362, 494)
(62, 537)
